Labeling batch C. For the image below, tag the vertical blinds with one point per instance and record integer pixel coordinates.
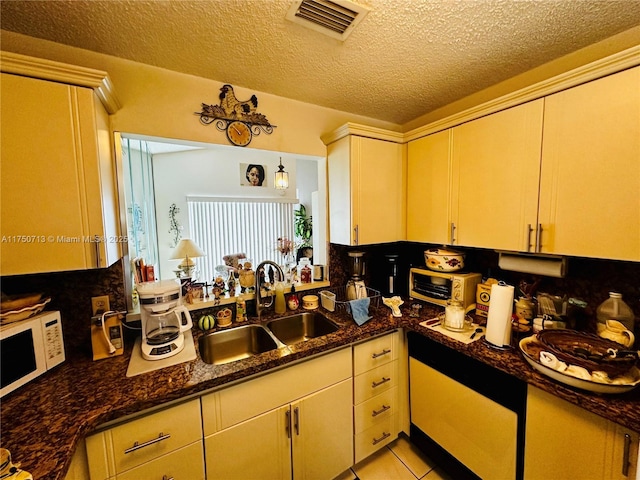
(226, 226)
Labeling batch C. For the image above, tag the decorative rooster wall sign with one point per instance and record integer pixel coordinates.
(239, 119)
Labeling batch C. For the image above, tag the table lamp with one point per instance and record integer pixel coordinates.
(187, 250)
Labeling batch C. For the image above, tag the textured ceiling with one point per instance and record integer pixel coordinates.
(406, 58)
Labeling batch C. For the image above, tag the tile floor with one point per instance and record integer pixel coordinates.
(400, 460)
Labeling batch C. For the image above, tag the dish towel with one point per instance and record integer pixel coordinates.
(360, 310)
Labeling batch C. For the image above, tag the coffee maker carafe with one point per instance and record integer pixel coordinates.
(163, 317)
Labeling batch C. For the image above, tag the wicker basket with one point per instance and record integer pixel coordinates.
(588, 351)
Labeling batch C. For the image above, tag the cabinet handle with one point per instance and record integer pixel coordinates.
(529, 230)
(625, 456)
(164, 477)
(355, 235)
(538, 238)
(384, 380)
(287, 423)
(97, 243)
(453, 230)
(138, 446)
(384, 408)
(296, 420)
(384, 436)
(384, 352)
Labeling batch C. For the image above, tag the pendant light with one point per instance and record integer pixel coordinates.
(281, 179)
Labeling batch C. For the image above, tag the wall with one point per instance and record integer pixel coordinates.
(161, 103)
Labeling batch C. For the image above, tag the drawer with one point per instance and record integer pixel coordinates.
(375, 437)
(374, 382)
(186, 463)
(374, 353)
(376, 409)
(141, 440)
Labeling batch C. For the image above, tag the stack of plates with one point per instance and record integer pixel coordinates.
(20, 307)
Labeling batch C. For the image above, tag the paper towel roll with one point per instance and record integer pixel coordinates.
(499, 317)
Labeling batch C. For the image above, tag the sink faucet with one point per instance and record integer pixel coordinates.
(260, 268)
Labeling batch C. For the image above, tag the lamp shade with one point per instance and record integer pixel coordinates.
(187, 248)
(281, 179)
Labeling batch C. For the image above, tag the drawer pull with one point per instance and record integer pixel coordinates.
(384, 380)
(384, 352)
(384, 436)
(138, 446)
(625, 457)
(384, 408)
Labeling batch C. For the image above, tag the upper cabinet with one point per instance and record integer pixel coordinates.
(429, 189)
(366, 190)
(590, 177)
(59, 201)
(495, 170)
(557, 175)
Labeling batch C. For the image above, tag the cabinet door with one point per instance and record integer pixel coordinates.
(257, 448)
(553, 422)
(323, 433)
(429, 189)
(590, 180)
(51, 179)
(366, 191)
(625, 454)
(379, 200)
(496, 163)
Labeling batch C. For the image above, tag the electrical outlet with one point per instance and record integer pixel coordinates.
(99, 304)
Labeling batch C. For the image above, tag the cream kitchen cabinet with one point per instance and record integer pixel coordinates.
(366, 190)
(298, 419)
(566, 442)
(429, 189)
(590, 177)
(495, 172)
(377, 397)
(167, 443)
(58, 195)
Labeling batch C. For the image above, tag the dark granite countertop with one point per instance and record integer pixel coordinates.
(42, 423)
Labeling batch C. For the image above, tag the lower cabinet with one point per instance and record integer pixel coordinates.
(376, 399)
(293, 423)
(310, 438)
(166, 443)
(572, 443)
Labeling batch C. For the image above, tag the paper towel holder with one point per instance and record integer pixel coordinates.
(536, 264)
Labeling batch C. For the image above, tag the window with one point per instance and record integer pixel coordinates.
(224, 226)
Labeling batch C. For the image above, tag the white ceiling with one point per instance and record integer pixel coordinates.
(405, 59)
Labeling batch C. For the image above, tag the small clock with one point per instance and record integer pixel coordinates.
(239, 133)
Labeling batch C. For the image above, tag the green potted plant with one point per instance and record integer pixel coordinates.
(303, 229)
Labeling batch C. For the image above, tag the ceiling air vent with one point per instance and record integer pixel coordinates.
(334, 18)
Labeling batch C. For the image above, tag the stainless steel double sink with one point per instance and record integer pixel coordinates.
(227, 346)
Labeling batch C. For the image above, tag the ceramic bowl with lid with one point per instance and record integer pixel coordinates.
(443, 260)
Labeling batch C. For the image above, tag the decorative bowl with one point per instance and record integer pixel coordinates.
(443, 260)
(23, 313)
(588, 351)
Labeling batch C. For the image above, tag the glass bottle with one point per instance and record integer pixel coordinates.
(280, 305)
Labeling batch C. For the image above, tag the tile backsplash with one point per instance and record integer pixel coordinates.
(71, 293)
(587, 279)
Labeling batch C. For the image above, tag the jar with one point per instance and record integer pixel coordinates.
(614, 308)
(305, 274)
(454, 317)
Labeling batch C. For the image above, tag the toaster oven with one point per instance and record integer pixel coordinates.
(439, 287)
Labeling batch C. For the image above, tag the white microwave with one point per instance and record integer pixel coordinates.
(28, 348)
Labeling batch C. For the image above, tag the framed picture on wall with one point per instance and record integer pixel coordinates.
(253, 175)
